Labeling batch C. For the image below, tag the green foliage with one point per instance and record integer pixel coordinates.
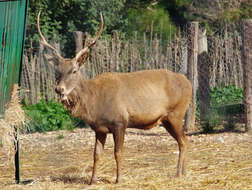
(49, 116)
(233, 14)
(230, 124)
(60, 18)
(215, 15)
(246, 10)
(226, 102)
(49, 23)
(226, 95)
(212, 121)
(177, 10)
(154, 20)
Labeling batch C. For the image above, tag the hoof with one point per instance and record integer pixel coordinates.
(120, 180)
(183, 172)
(178, 175)
(93, 181)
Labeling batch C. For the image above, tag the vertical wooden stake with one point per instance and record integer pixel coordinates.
(78, 36)
(247, 65)
(203, 76)
(192, 73)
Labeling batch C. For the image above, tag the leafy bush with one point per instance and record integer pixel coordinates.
(226, 95)
(60, 18)
(211, 121)
(155, 21)
(225, 102)
(49, 116)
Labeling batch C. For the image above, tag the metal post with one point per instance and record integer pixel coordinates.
(17, 165)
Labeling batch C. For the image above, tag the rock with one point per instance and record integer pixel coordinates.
(176, 152)
(220, 139)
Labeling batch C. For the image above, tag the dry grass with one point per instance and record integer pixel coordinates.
(63, 160)
(14, 117)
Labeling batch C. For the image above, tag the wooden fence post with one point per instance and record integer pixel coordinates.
(203, 76)
(192, 73)
(247, 65)
(78, 36)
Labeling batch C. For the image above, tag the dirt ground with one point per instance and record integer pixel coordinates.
(63, 160)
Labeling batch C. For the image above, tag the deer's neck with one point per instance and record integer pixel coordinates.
(83, 102)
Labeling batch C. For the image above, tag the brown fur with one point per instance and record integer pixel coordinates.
(112, 102)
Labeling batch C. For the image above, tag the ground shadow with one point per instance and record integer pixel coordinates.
(70, 179)
(27, 182)
(146, 134)
(193, 133)
(77, 180)
(24, 182)
(217, 131)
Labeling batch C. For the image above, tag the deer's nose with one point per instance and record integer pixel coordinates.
(59, 90)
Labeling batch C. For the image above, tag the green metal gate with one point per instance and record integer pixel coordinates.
(12, 32)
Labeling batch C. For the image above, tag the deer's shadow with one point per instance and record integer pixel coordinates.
(77, 180)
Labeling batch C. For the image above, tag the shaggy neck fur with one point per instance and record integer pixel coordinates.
(79, 103)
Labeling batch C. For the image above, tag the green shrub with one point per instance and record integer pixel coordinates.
(212, 121)
(49, 116)
(155, 21)
(225, 102)
(226, 95)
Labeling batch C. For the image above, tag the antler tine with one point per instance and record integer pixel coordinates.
(99, 33)
(78, 55)
(44, 40)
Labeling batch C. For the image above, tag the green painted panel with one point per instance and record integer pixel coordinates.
(12, 31)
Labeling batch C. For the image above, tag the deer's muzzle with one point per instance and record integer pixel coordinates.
(59, 90)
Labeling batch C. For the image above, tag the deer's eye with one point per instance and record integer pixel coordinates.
(57, 76)
(74, 71)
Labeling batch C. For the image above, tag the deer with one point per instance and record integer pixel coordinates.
(112, 102)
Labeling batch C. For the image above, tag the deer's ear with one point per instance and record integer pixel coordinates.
(53, 60)
(83, 59)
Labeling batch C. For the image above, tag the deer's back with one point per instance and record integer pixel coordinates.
(141, 97)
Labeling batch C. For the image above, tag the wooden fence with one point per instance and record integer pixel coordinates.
(116, 55)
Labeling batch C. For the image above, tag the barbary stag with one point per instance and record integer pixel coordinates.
(113, 102)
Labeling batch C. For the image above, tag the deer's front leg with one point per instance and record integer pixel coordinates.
(99, 147)
(118, 135)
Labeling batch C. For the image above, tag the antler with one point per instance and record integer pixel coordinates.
(81, 52)
(98, 34)
(44, 40)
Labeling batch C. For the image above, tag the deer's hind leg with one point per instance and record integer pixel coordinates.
(173, 124)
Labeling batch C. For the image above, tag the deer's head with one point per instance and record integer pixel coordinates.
(68, 70)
